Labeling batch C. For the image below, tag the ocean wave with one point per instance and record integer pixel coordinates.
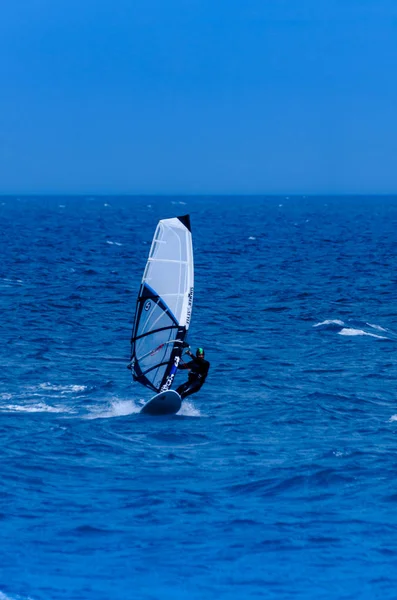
(377, 327)
(40, 407)
(353, 327)
(330, 322)
(7, 282)
(353, 332)
(64, 389)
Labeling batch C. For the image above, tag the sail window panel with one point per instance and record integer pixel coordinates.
(153, 317)
(152, 350)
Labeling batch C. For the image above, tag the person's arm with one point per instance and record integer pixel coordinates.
(188, 365)
(183, 365)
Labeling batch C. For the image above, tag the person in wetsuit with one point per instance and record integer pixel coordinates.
(198, 368)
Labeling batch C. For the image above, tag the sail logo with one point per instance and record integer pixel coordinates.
(147, 305)
(189, 307)
(170, 378)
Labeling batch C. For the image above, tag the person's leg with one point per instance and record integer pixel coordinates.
(182, 388)
(189, 389)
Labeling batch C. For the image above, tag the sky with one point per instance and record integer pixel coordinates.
(198, 96)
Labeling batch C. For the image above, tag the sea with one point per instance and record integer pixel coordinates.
(277, 480)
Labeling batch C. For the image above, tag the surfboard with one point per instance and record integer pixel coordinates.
(165, 403)
(163, 311)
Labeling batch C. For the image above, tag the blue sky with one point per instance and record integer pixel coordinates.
(198, 96)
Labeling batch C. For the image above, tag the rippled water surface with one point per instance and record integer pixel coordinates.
(277, 480)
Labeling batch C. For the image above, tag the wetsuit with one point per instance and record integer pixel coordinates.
(199, 368)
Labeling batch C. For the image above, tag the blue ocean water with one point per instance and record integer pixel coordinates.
(277, 480)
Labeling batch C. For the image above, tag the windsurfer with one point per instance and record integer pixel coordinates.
(198, 368)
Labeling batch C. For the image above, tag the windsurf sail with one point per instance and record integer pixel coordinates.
(164, 305)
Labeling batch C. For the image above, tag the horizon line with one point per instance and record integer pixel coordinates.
(193, 195)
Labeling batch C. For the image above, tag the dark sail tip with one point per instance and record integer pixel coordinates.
(186, 221)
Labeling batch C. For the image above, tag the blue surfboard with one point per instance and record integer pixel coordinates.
(165, 403)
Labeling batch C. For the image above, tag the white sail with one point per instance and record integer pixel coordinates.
(164, 305)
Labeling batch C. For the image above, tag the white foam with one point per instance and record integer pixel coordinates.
(117, 408)
(64, 389)
(113, 243)
(123, 408)
(338, 453)
(8, 282)
(189, 410)
(251, 237)
(330, 322)
(35, 408)
(393, 418)
(377, 327)
(349, 331)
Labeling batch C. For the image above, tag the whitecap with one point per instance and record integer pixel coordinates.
(64, 389)
(35, 408)
(9, 282)
(251, 237)
(330, 322)
(377, 327)
(353, 332)
(393, 418)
